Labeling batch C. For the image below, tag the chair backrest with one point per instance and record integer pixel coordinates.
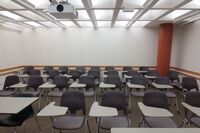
(74, 100)
(10, 80)
(75, 74)
(95, 73)
(172, 75)
(192, 98)
(132, 73)
(127, 68)
(95, 68)
(28, 69)
(61, 82)
(143, 68)
(152, 73)
(155, 99)
(112, 72)
(47, 69)
(81, 69)
(189, 83)
(35, 73)
(34, 82)
(88, 80)
(113, 80)
(109, 68)
(53, 73)
(138, 80)
(162, 80)
(63, 69)
(115, 99)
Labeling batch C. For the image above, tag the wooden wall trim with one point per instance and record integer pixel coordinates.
(187, 72)
(11, 68)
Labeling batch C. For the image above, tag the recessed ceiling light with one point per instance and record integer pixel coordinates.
(33, 24)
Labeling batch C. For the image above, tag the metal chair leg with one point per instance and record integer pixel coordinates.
(38, 124)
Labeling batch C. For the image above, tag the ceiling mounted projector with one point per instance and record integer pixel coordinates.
(62, 10)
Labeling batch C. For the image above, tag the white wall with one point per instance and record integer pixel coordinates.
(186, 47)
(86, 46)
(10, 49)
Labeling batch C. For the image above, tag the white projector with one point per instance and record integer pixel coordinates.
(63, 10)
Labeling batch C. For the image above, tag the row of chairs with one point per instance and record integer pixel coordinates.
(118, 100)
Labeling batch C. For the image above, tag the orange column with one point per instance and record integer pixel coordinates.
(164, 48)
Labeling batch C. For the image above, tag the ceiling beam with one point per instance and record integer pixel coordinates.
(9, 10)
(116, 11)
(186, 16)
(7, 19)
(88, 4)
(29, 6)
(147, 6)
(9, 28)
(171, 10)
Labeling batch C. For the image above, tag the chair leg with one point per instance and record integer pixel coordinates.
(24, 126)
(87, 126)
(142, 122)
(15, 129)
(38, 124)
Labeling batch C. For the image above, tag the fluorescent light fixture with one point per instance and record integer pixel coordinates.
(103, 23)
(86, 24)
(49, 24)
(10, 15)
(30, 14)
(10, 4)
(167, 3)
(173, 15)
(152, 14)
(126, 15)
(103, 14)
(33, 24)
(68, 23)
(121, 23)
(12, 25)
(192, 4)
(140, 23)
(133, 3)
(103, 3)
(82, 15)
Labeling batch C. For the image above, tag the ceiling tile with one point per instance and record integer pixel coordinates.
(103, 14)
(133, 3)
(103, 23)
(121, 23)
(85, 24)
(140, 23)
(173, 15)
(103, 3)
(167, 3)
(152, 14)
(126, 15)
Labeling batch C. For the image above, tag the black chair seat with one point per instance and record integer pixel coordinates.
(7, 93)
(195, 121)
(8, 122)
(112, 122)
(160, 122)
(68, 122)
